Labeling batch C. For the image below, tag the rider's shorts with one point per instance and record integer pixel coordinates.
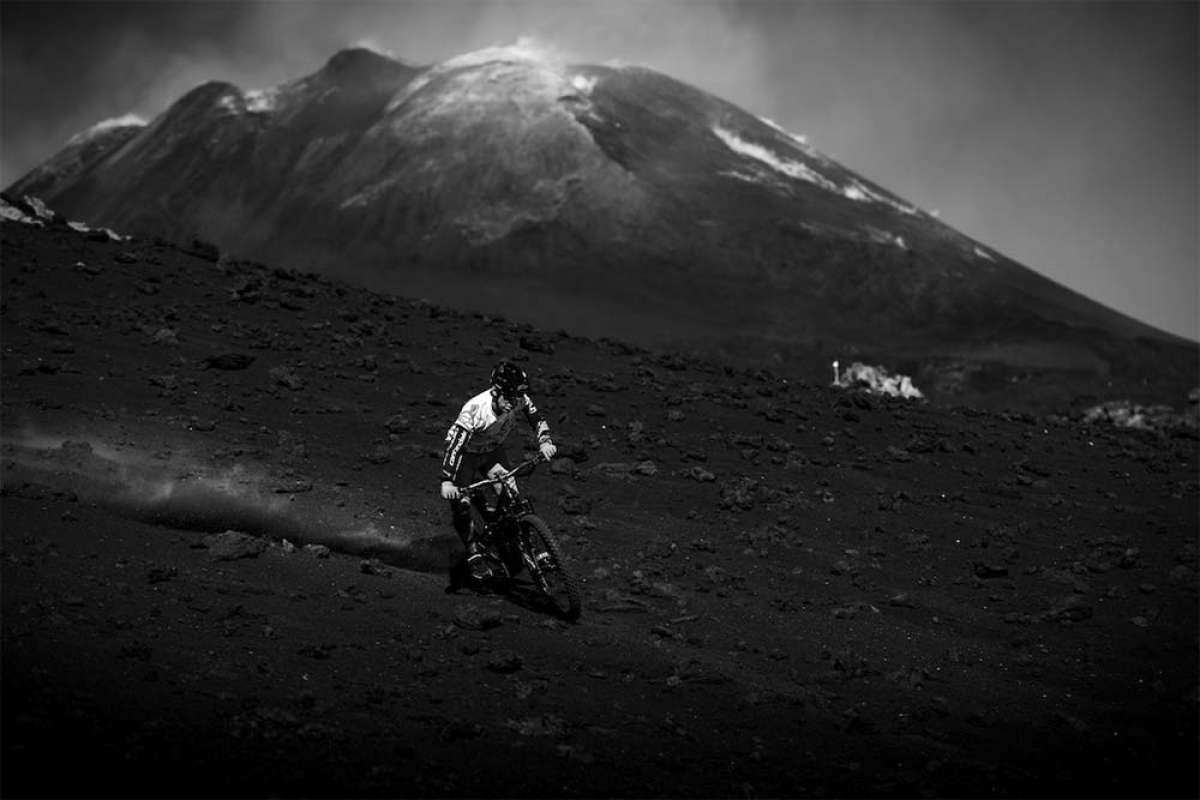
(475, 466)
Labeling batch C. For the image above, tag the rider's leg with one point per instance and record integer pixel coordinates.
(496, 465)
(460, 516)
(468, 531)
(464, 525)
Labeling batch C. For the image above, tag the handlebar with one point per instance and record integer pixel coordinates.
(501, 478)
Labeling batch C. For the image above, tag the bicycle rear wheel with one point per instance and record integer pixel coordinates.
(549, 571)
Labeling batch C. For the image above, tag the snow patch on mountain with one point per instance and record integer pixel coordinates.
(374, 47)
(885, 237)
(521, 86)
(260, 101)
(787, 166)
(749, 176)
(85, 228)
(30, 210)
(525, 49)
(254, 101)
(796, 141)
(10, 212)
(583, 84)
(801, 141)
(981, 253)
(40, 209)
(126, 121)
(856, 191)
(537, 60)
(494, 88)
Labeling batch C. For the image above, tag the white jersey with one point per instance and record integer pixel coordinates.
(481, 429)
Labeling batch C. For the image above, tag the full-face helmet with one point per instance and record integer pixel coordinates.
(509, 380)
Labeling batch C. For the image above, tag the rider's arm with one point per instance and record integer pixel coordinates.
(468, 421)
(456, 439)
(537, 421)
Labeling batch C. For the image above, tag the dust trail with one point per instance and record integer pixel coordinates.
(181, 492)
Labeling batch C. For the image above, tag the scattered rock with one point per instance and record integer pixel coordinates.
(53, 327)
(575, 505)
(318, 550)
(167, 336)
(988, 570)
(161, 574)
(536, 344)
(203, 249)
(1071, 608)
(398, 424)
(542, 725)
(909, 677)
(562, 466)
(471, 618)
(287, 378)
(505, 662)
(378, 454)
(227, 361)
(232, 545)
(613, 468)
(574, 451)
(852, 610)
(738, 493)
(373, 566)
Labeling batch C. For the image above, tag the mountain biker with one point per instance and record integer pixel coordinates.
(475, 449)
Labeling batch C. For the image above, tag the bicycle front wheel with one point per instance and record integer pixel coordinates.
(550, 573)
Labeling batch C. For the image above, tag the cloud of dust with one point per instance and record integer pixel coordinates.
(177, 490)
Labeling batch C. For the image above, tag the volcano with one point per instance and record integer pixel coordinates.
(609, 201)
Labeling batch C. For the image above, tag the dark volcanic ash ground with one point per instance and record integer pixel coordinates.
(224, 564)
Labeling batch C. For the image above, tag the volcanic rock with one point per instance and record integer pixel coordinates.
(232, 545)
(227, 361)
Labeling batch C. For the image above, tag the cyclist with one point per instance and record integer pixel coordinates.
(475, 449)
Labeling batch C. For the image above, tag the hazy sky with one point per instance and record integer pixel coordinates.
(1063, 134)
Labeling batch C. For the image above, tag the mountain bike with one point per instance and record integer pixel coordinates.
(517, 540)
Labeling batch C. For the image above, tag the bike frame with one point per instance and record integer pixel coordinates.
(500, 479)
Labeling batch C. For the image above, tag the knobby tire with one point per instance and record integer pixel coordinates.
(561, 588)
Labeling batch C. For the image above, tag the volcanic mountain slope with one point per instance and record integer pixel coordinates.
(609, 201)
(224, 560)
